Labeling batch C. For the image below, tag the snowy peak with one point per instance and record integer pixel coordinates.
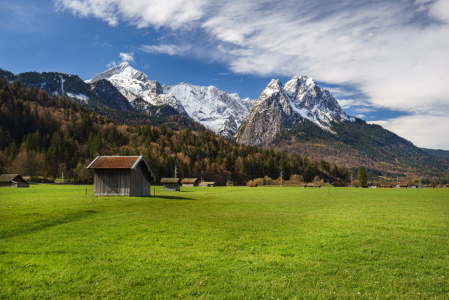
(212, 107)
(123, 70)
(278, 108)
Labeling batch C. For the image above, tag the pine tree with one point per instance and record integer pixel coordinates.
(361, 176)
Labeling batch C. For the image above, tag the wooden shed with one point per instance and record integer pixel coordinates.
(189, 182)
(253, 184)
(303, 185)
(122, 176)
(373, 185)
(13, 180)
(171, 184)
(400, 185)
(207, 184)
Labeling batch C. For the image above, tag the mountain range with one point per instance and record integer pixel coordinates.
(299, 117)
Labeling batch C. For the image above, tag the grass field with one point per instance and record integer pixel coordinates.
(231, 243)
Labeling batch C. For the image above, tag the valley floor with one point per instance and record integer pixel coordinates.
(224, 243)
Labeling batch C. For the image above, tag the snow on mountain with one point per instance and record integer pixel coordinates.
(215, 109)
(279, 107)
(135, 86)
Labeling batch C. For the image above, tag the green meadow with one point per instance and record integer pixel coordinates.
(56, 242)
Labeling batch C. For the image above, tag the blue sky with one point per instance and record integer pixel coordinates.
(384, 61)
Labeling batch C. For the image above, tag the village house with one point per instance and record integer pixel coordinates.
(190, 182)
(13, 180)
(253, 185)
(373, 185)
(400, 185)
(121, 176)
(303, 185)
(171, 184)
(207, 184)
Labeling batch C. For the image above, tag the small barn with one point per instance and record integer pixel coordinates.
(303, 185)
(13, 180)
(317, 185)
(171, 184)
(253, 185)
(400, 185)
(121, 176)
(446, 185)
(207, 184)
(189, 182)
(310, 185)
(373, 185)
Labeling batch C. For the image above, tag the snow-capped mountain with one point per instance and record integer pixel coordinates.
(135, 86)
(279, 107)
(217, 110)
(211, 107)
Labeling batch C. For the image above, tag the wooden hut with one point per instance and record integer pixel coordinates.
(253, 185)
(189, 182)
(310, 185)
(446, 185)
(373, 185)
(171, 184)
(400, 185)
(317, 185)
(303, 185)
(122, 176)
(13, 180)
(207, 184)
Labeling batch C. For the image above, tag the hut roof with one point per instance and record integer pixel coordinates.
(189, 180)
(170, 180)
(402, 184)
(11, 177)
(118, 162)
(207, 182)
(253, 184)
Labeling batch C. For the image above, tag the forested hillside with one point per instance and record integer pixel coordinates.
(358, 144)
(45, 136)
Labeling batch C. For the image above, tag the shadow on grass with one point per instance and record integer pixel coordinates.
(172, 198)
(44, 224)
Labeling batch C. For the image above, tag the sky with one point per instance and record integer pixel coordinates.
(385, 61)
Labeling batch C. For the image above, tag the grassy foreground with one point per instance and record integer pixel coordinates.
(231, 243)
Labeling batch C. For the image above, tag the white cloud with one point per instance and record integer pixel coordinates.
(164, 49)
(423, 130)
(129, 57)
(111, 64)
(141, 13)
(392, 52)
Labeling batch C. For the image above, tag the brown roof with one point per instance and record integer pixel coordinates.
(114, 162)
(189, 180)
(170, 180)
(11, 177)
(253, 184)
(207, 182)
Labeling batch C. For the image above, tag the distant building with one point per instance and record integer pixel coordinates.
(413, 186)
(310, 185)
(171, 184)
(400, 185)
(189, 182)
(13, 180)
(446, 185)
(253, 185)
(207, 184)
(373, 185)
(303, 185)
(121, 176)
(317, 185)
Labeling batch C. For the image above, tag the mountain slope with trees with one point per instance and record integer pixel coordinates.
(358, 143)
(45, 136)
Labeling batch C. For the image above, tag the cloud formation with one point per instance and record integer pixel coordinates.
(394, 53)
(164, 49)
(129, 57)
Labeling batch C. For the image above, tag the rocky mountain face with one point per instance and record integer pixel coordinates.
(279, 108)
(217, 110)
(105, 90)
(134, 85)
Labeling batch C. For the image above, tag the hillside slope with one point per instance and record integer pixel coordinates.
(356, 144)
